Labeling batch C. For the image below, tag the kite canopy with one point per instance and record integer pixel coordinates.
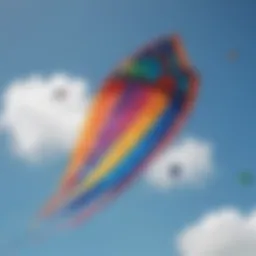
(139, 109)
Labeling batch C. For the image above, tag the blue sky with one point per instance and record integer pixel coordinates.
(88, 39)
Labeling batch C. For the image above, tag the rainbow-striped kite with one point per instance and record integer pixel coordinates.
(137, 112)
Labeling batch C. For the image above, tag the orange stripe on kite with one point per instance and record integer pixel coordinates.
(92, 126)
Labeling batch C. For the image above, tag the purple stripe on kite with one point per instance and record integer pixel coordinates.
(122, 121)
(126, 97)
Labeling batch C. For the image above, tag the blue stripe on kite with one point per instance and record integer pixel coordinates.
(163, 47)
(139, 153)
(130, 94)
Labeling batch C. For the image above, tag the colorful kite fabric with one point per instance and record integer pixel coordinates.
(139, 109)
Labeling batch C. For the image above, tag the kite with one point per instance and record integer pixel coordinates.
(246, 178)
(233, 55)
(138, 110)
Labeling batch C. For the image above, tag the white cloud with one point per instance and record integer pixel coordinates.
(192, 156)
(226, 232)
(38, 122)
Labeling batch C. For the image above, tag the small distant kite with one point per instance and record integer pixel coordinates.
(246, 178)
(233, 55)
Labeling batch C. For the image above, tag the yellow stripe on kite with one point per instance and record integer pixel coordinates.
(145, 120)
